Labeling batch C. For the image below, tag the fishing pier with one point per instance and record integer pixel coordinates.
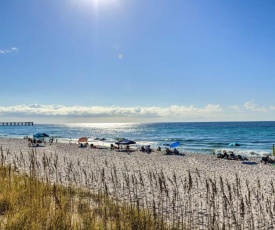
(16, 123)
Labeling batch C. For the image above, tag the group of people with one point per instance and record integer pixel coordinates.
(230, 156)
(114, 147)
(146, 149)
(267, 159)
(35, 142)
(170, 152)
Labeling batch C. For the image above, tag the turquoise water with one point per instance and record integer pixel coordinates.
(255, 138)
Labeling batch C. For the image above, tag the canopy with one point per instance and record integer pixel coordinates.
(40, 135)
(83, 139)
(125, 142)
(175, 144)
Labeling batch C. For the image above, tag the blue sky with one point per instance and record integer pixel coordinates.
(126, 60)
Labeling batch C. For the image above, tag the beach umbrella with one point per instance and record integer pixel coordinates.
(40, 135)
(83, 140)
(175, 144)
(125, 142)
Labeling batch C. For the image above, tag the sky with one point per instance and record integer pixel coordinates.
(137, 60)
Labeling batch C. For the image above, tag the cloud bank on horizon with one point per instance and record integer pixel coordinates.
(58, 113)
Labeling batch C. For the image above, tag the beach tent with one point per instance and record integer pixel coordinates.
(83, 140)
(125, 142)
(175, 144)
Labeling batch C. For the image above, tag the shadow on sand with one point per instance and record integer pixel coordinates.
(171, 154)
(249, 163)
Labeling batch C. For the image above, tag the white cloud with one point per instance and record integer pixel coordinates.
(235, 107)
(11, 50)
(211, 112)
(112, 111)
(251, 106)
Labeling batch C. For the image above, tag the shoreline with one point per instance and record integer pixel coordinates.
(208, 164)
(106, 145)
(196, 138)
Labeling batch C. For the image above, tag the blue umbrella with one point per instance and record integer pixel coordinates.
(175, 144)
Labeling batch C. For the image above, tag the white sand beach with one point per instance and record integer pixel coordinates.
(159, 181)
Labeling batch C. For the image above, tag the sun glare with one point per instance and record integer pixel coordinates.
(98, 2)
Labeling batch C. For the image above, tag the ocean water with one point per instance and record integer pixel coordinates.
(254, 138)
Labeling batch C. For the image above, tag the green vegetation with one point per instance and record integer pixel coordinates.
(27, 203)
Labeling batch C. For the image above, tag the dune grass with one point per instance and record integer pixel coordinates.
(28, 203)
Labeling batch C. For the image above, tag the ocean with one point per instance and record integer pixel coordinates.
(252, 138)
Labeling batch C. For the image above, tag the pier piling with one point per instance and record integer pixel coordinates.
(16, 123)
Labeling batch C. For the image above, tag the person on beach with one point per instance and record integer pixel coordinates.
(225, 155)
(168, 151)
(148, 150)
(176, 151)
(232, 156)
(142, 149)
(265, 159)
(92, 146)
(127, 148)
(159, 148)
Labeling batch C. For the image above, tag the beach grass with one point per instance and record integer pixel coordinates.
(28, 203)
